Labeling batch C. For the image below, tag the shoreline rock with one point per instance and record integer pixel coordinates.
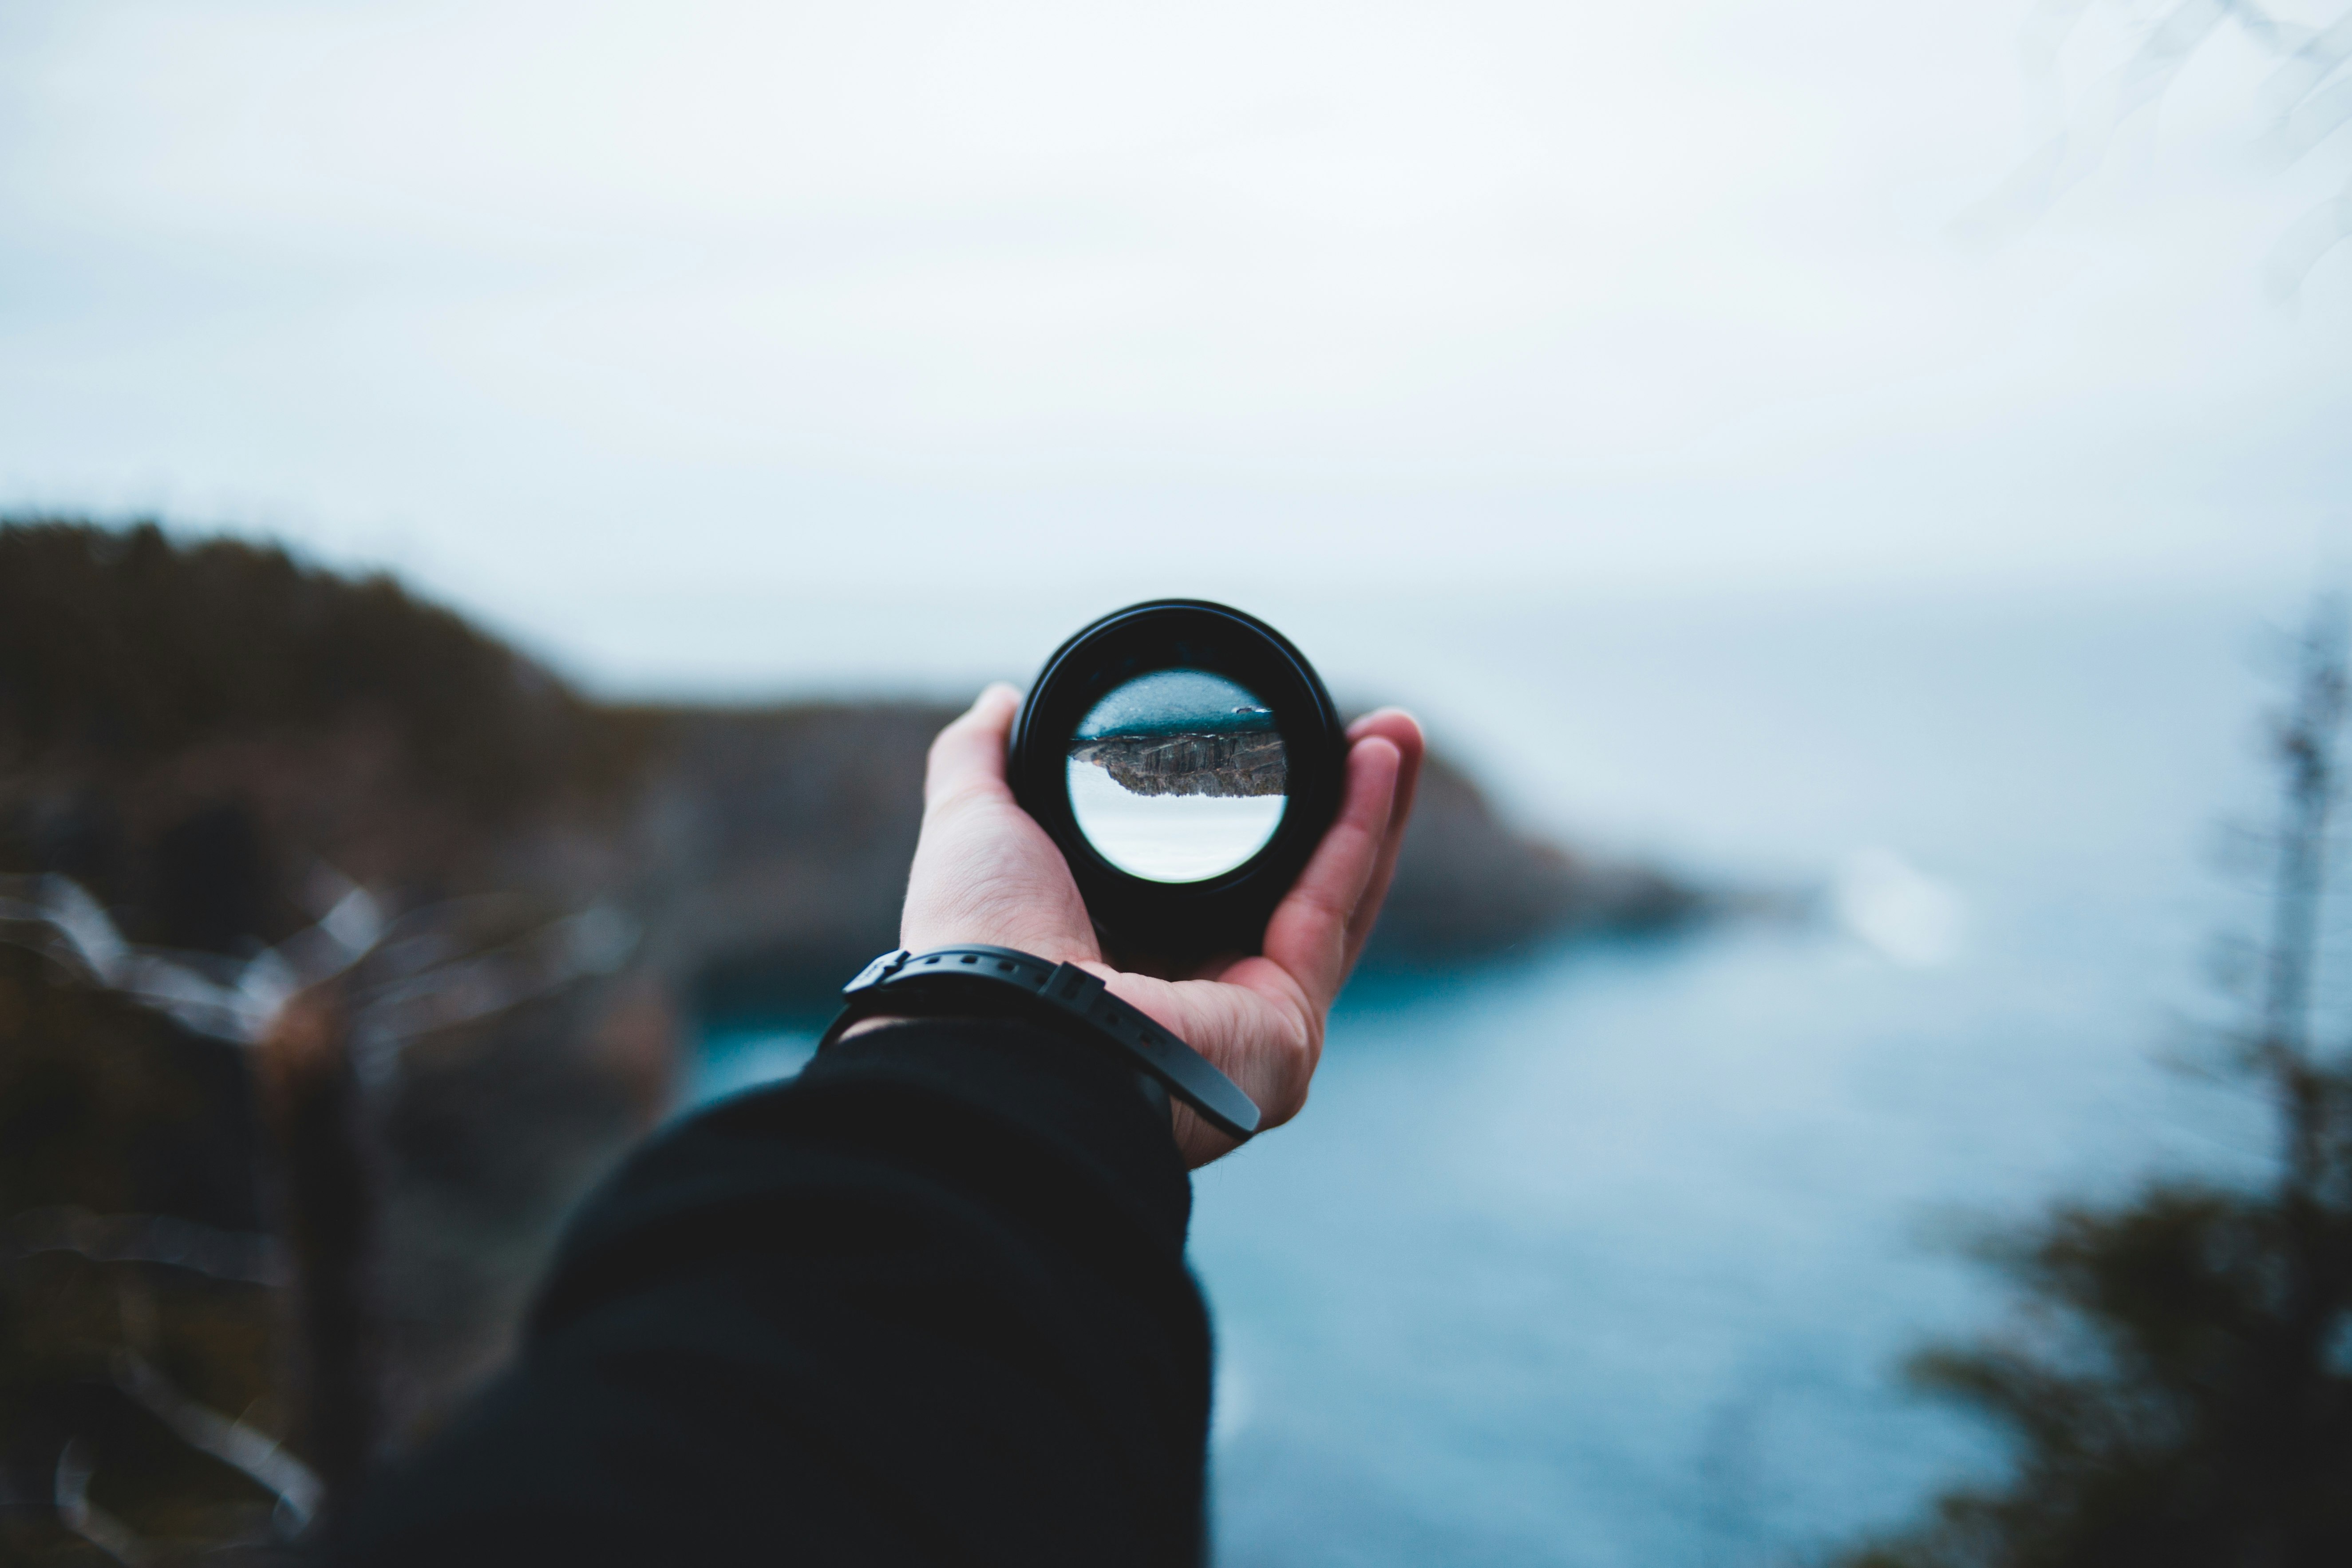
(197, 733)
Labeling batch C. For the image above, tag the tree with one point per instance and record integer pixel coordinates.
(2308, 99)
(2181, 1390)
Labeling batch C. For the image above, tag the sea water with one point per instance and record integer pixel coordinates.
(1610, 1252)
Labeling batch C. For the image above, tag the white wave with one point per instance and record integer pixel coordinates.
(1906, 915)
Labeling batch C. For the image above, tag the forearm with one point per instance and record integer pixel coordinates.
(927, 1304)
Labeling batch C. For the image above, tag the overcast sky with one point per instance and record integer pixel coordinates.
(649, 329)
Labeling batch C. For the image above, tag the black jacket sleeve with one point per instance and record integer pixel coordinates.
(926, 1304)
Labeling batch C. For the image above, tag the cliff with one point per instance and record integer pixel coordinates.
(201, 733)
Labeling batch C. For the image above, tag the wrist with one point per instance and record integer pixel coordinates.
(977, 980)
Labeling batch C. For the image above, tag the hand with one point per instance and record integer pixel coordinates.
(984, 871)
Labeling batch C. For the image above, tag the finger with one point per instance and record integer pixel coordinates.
(969, 755)
(1307, 936)
(1400, 730)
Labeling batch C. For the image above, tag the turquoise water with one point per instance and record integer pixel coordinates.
(1612, 1254)
(737, 1057)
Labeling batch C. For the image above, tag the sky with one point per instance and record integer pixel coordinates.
(717, 346)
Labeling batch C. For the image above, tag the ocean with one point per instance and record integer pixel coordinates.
(1610, 1252)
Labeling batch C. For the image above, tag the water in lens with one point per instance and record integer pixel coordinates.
(1177, 777)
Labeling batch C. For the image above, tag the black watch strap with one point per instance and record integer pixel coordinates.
(1063, 992)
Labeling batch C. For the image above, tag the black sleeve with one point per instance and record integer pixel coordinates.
(926, 1304)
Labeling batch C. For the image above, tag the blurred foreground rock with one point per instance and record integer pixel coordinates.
(264, 832)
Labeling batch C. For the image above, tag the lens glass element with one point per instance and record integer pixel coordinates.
(1177, 777)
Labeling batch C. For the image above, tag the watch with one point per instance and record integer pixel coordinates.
(974, 976)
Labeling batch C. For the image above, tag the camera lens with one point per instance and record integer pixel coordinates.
(1186, 759)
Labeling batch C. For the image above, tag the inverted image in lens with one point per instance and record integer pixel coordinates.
(1177, 777)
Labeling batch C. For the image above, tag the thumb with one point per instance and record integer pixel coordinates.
(967, 756)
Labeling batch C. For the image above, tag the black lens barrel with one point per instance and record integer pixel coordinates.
(1226, 914)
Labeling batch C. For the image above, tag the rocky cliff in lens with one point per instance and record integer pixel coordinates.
(1225, 764)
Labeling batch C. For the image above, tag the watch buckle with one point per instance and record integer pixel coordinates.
(875, 973)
